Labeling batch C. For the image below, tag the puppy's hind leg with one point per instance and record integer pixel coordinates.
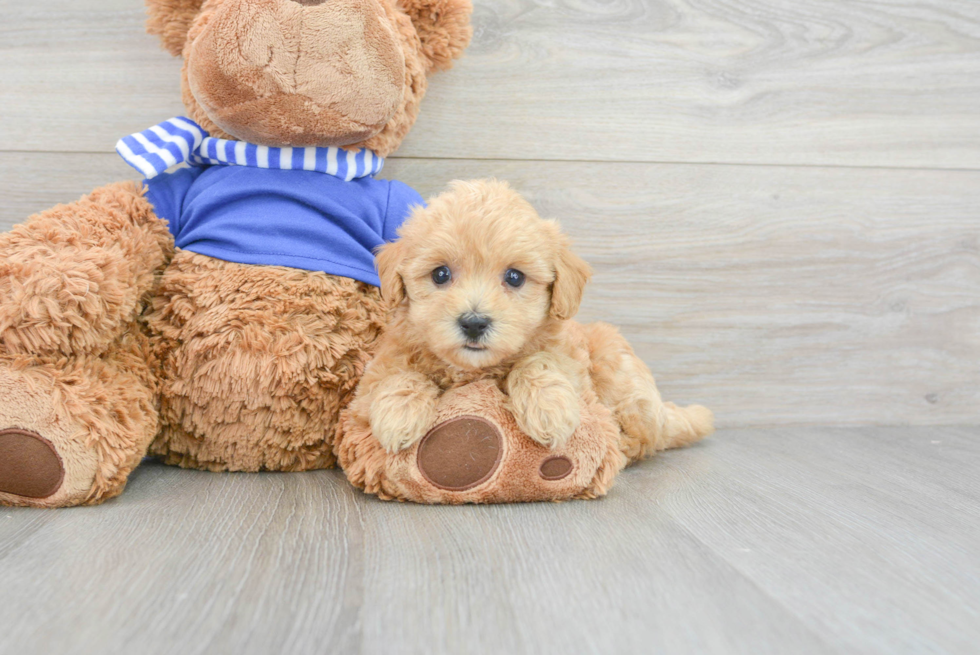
(625, 385)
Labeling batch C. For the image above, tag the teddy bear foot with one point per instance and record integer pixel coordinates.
(29, 465)
(72, 429)
(477, 454)
(43, 463)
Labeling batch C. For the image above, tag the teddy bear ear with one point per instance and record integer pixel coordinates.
(443, 27)
(171, 20)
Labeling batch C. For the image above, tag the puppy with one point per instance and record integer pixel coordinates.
(483, 287)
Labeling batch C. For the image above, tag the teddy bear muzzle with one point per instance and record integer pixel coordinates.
(297, 72)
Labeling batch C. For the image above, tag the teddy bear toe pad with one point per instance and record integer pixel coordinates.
(556, 468)
(29, 464)
(460, 453)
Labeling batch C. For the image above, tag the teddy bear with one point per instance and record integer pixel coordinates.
(219, 314)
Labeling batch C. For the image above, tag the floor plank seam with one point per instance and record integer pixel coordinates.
(636, 162)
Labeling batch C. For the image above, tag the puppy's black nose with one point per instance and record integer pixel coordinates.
(474, 325)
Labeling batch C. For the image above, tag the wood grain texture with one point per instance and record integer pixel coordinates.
(805, 540)
(842, 82)
(792, 295)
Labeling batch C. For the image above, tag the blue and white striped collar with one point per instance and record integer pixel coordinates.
(181, 140)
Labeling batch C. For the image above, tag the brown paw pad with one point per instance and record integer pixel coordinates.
(460, 453)
(556, 468)
(29, 465)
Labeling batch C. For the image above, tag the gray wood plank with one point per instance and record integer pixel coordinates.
(613, 576)
(871, 535)
(187, 562)
(32, 182)
(774, 295)
(77, 76)
(845, 82)
(757, 541)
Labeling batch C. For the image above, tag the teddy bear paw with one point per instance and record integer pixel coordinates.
(477, 453)
(43, 463)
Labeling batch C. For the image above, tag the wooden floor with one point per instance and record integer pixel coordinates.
(789, 540)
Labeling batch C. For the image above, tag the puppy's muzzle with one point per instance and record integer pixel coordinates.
(474, 326)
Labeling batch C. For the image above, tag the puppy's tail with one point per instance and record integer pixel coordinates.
(681, 426)
(626, 386)
(649, 425)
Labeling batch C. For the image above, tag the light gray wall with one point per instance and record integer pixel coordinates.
(781, 199)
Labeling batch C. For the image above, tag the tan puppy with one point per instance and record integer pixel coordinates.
(484, 288)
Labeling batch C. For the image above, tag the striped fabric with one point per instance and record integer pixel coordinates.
(181, 140)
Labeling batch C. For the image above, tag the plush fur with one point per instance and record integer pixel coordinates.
(443, 27)
(113, 346)
(171, 20)
(259, 360)
(99, 411)
(281, 73)
(553, 370)
(75, 277)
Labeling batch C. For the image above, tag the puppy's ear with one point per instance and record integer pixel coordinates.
(389, 258)
(443, 27)
(171, 20)
(571, 275)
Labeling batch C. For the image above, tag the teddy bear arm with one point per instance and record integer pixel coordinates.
(75, 277)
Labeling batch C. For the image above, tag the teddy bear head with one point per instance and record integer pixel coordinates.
(343, 73)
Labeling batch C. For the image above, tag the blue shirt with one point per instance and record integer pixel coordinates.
(301, 219)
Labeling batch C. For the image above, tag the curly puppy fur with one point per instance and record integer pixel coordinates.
(541, 359)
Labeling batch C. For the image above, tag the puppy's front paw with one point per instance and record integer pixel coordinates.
(402, 411)
(545, 406)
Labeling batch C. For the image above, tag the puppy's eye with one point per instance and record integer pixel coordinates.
(442, 275)
(514, 278)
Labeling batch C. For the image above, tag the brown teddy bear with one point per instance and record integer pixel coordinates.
(218, 316)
